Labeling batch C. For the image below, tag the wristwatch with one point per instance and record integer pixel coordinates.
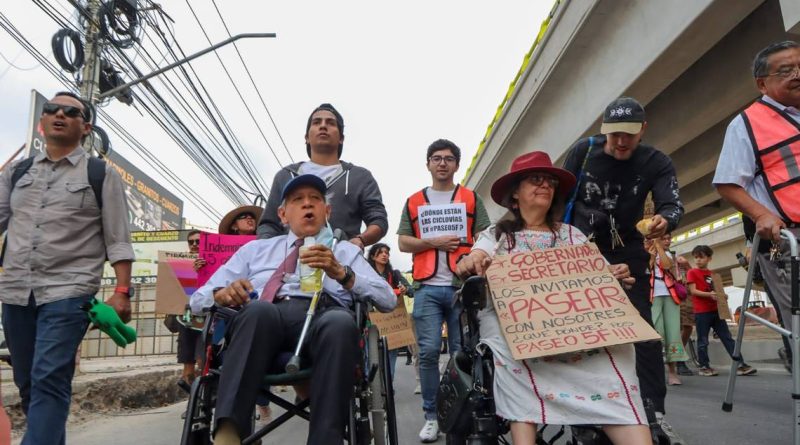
(124, 290)
(348, 274)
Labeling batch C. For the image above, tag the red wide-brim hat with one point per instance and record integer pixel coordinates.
(536, 161)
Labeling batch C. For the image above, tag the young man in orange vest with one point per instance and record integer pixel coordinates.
(438, 225)
(758, 169)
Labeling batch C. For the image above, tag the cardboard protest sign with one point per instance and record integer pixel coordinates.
(395, 326)
(563, 299)
(217, 250)
(723, 309)
(443, 219)
(176, 281)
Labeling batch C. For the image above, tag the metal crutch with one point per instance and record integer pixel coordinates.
(794, 334)
(294, 363)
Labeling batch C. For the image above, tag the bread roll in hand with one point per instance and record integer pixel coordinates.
(643, 226)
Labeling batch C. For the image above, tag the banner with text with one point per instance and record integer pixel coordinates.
(395, 326)
(217, 250)
(443, 219)
(146, 246)
(563, 299)
(150, 206)
(176, 282)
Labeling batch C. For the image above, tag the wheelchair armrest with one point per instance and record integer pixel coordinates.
(223, 312)
(474, 293)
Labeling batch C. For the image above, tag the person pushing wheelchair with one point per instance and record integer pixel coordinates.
(260, 278)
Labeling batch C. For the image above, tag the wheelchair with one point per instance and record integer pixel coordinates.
(372, 418)
(465, 405)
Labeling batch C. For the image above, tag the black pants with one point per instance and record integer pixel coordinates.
(255, 338)
(649, 359)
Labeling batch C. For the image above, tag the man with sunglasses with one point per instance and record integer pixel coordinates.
(758, 170)
(616, 172)
(58, 238)
(438, 225)
(190, 347)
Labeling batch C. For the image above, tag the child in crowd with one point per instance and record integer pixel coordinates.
(704, 299)
(666, 303)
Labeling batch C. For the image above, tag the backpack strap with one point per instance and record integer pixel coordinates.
(20, 170)
(96, 170)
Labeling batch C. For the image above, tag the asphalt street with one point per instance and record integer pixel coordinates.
(761, 415)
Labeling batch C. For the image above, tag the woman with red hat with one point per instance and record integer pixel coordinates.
(570, 388)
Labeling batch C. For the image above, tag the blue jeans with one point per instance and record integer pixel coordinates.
(704, 322)
(432, 306)
(43, 342)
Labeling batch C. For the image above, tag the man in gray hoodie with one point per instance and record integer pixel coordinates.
(352, 191)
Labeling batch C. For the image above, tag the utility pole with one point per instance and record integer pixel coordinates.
(90, 76)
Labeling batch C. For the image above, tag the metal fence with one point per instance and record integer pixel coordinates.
(152, 337)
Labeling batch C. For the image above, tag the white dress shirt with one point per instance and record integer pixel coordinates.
(257, 260)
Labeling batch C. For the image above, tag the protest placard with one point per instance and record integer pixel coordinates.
(217, 250)
(395, 326)
(559, 300)
(176, 281)
(443, 219)
(723, 309)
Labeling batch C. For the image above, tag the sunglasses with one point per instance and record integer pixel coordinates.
(193, 242)
(69, 110)
(245, 216)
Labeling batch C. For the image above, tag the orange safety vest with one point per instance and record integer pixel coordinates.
(775, 137)
(427, 262)
(669, 281)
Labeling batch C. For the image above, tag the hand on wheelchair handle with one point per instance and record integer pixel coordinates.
(475, 263)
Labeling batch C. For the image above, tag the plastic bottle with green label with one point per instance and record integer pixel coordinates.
(310, 277)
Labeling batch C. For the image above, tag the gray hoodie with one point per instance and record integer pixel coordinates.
(354, 197)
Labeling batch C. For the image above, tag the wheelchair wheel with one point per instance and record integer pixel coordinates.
(197, 427)
(382, 409)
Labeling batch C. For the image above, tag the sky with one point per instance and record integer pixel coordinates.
(402, 74)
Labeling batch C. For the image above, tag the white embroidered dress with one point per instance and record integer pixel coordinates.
(597, 387)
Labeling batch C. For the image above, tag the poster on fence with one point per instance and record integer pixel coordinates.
(176, 281)
(217, 250)
(559, 300)
(395, 326)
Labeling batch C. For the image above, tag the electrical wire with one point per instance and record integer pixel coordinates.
(253, 82)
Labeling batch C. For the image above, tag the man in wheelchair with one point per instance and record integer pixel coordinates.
(260, 279)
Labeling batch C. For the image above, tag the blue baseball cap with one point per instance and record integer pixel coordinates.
(311, 180)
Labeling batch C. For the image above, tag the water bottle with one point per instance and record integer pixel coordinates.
(310, 277)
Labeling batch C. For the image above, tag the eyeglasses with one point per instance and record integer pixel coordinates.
(438, 159)
(193, 242)
(787, 72)
(69, 110)
(538, 180)
(245, 216)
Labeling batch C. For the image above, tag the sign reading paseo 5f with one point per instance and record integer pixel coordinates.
(563, 299)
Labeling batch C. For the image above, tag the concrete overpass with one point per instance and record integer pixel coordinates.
(687, 61)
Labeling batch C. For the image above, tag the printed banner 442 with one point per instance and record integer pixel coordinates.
(563, 299)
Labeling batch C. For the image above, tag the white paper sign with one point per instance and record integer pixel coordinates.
(443, 219)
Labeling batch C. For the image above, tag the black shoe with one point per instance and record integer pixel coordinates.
(683, 369)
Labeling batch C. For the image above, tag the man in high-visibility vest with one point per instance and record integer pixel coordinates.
(758, 170)
(438, 226)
